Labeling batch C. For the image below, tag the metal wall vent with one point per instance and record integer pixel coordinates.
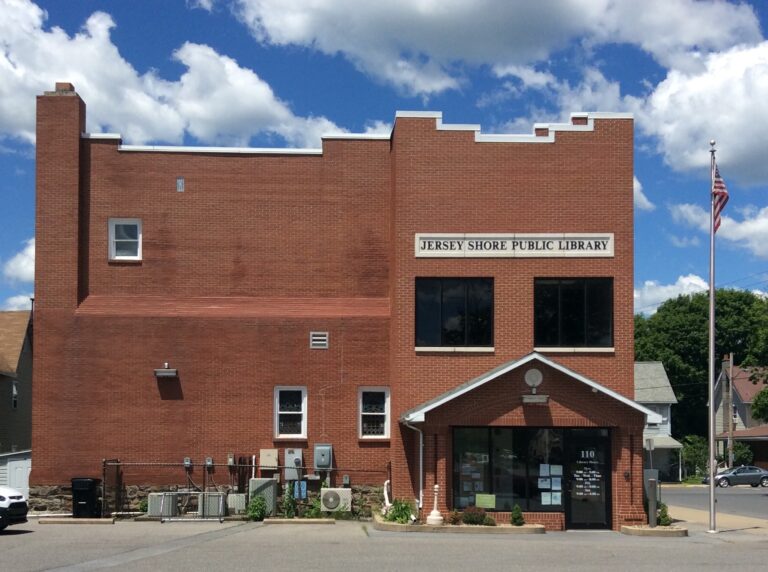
(318, 340)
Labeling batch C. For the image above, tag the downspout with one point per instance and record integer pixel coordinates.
(421, 460)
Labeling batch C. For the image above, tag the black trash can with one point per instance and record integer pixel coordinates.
(85, 498)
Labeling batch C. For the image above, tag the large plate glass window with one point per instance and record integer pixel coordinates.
(125, 239)
(374, 413)
(573, 312)
(542, 469)
(453, 312)
(291, 412)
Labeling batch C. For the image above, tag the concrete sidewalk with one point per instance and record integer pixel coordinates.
(698, 520)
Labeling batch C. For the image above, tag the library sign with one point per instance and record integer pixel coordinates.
(524, 245)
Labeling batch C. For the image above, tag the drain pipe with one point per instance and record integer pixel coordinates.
(421, 460)
(387, 504)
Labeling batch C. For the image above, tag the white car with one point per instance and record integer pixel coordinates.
(13, 507)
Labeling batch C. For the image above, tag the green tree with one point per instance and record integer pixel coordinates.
(695, 454)
(678, 336)
(760, 405)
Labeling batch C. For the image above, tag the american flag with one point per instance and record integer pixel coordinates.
(719, 196)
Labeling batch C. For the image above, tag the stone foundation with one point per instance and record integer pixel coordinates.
(58, 498)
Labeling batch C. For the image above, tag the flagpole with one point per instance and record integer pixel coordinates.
(711, 380)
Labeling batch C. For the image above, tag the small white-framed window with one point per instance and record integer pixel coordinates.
(373, 421)
(125, 239)
(291, 412)
(15, 395)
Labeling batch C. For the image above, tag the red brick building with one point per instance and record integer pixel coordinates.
(398, 297)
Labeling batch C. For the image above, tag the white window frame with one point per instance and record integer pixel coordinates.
(377, 389)
(303, 434)
(112, 250)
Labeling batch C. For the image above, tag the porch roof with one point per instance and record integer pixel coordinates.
(418, 414)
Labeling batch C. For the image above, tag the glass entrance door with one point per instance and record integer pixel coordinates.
(588, 502)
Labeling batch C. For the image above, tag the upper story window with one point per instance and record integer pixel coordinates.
(374, 413)
(454, 312)
(124, 239)
(15, 395)
(573, 312)
(291, 412)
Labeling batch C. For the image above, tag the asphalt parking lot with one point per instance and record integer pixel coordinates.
(356, 546)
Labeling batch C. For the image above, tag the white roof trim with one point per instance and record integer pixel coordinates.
(418, 415)
(226, 150)
(376, 136)
(101, 136)
(436, 115)
(518, 138)
(16, 453)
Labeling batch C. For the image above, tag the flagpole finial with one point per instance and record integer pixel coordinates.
(712, 143)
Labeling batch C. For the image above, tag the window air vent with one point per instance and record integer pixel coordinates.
(318, 340)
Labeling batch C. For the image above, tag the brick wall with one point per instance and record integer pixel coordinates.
(262, 248)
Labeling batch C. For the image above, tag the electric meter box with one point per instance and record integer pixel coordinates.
(323, 457)
(293, 464)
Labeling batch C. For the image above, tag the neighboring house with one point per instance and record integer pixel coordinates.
(440, 305)
(735, 407)
(653, 390)
(15, 398)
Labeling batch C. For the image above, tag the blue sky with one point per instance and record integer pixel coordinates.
(273, 73)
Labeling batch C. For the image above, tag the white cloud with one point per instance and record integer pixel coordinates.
(206, 5)
(750, 233)
(216, 100)
(21, 267)
(690, 215)
(651, 293)
(421, 46)
(725, 101)
(641, 201)
(19, 302)
(378, 128)
(684, 241)
(676, 32)
(528, 76)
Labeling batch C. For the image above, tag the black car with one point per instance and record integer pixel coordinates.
(744, 475)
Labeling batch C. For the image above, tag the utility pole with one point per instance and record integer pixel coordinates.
(729, 412)
(725, 395)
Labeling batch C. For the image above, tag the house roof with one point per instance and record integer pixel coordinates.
(757, 433)
(743, 385)
(13, 329)
(652, 384)
(661, 441)
(417, 414)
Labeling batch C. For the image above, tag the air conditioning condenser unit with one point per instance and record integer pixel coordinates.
(332, 500)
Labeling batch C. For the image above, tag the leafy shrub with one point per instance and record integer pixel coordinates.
(663, 519)
(489, 521)
(473, 515)
(695, 454)
(454, 517)
(257, 508)
(289, 503)
(517, 518)
(314, 510)
(399, 512)
(144, 505)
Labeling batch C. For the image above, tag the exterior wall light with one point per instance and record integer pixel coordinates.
(533, 379)
(166, 372)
